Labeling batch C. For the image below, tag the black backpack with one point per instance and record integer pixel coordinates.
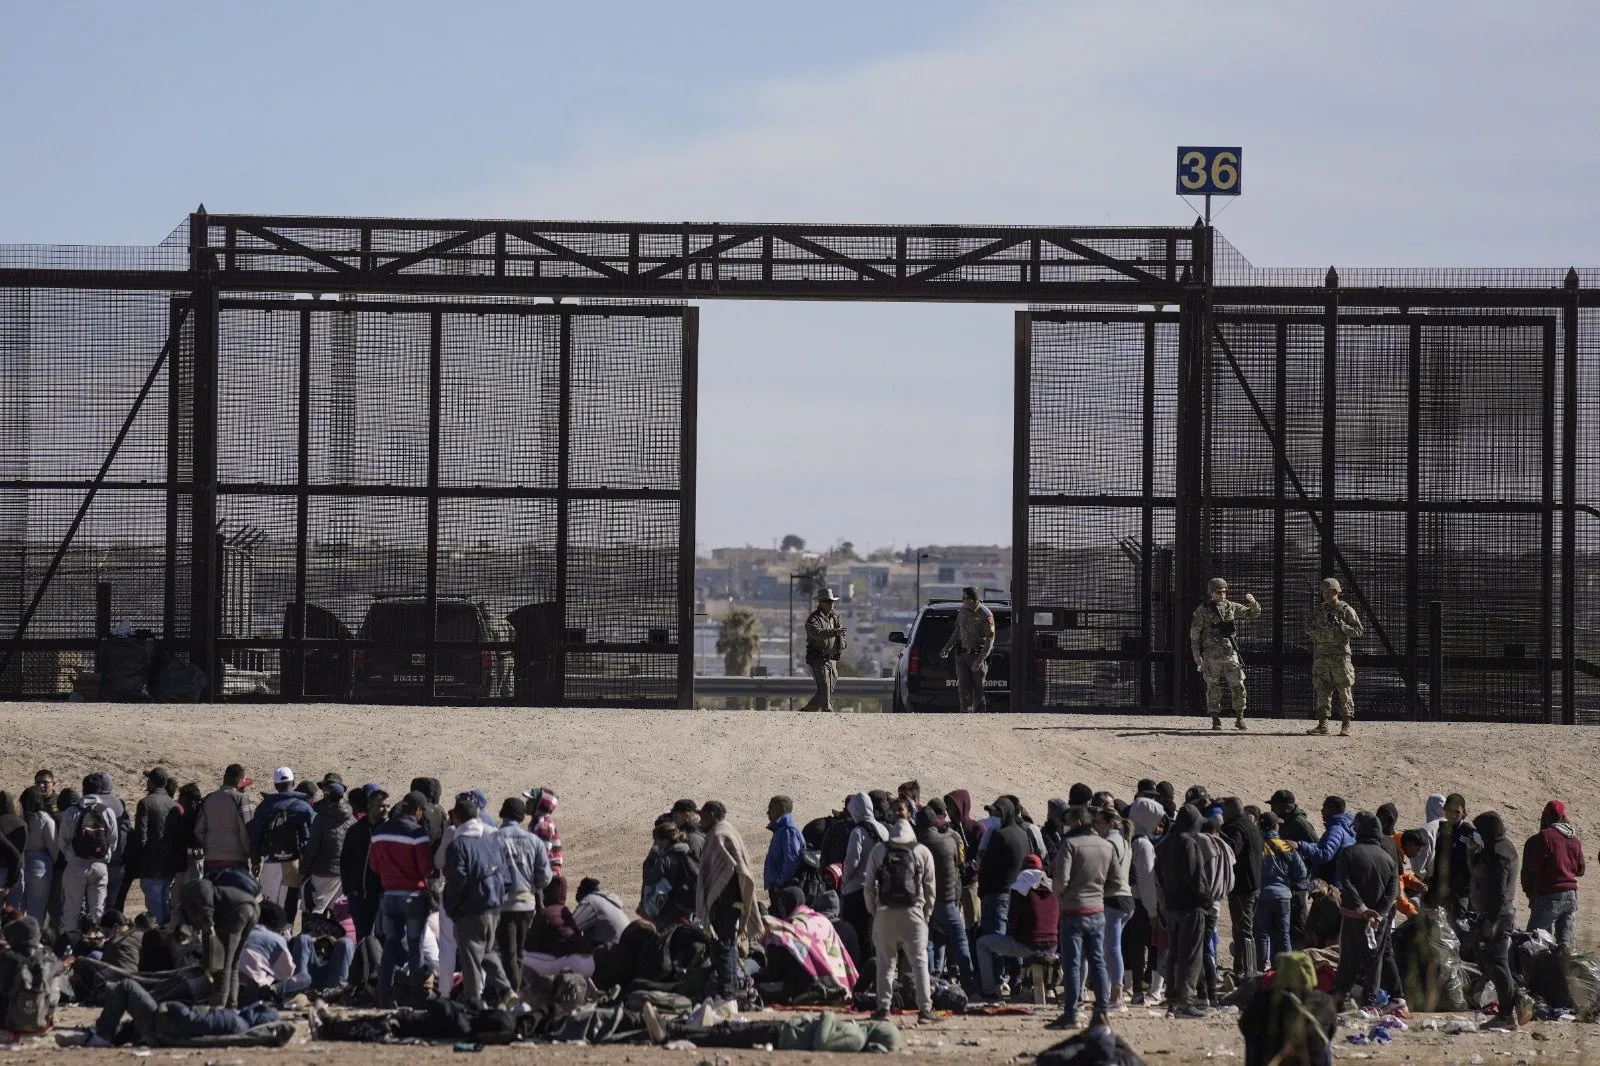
(281, 839)
(31, 999)
(92, 837)
(898, 883)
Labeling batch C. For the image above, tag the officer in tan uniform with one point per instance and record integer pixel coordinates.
(1329, 627)
(971, 642)
(1212, 639)
(825, 642)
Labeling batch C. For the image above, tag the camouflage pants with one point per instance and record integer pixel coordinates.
(1223, 670)
(1333, 678)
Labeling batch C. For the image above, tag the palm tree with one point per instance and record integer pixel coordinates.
(739, 643)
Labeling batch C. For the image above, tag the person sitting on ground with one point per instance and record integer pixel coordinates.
(323, 962)
(671, 877)
(29, 990)
(266, 968)
(1292, 1022)
(600, 915)
(1033, 925)
(173, 1024)
(806, 961)
(120, 941)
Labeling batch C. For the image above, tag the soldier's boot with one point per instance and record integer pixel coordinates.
(1320, 729)
(1344, 728)
(1238, 721)
(1216, 722)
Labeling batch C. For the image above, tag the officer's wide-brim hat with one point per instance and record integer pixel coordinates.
(827, 594)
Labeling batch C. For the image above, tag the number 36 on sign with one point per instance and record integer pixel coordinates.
(1208, 171)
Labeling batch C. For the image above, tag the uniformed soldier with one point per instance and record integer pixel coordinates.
(1329, 627)
(1216, 652)
(824, 644)
(972, 642)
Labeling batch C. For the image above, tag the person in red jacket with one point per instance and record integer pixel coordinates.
(402, 857)
(1552, 862)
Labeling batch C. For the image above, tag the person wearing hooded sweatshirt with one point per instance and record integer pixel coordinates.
(41, 850)
(1338, 833)
(1217, 883)
(98, 784)
(1422, 862)
(899, 886)
(1145, 814)
(89, 836)
(1552, 862)
(1180, 869)
(1034, 927)
(1005, 847)
(319, 862)
(786, 848)
(1054, 829)
(944, 842)
(1243, 838)
(1282, 873)
(1492, 860)
(1083, 866)
(278, 832)
(1118, 895)
(958, 804)
(725, 900)
(866, 833)
(600, 915)
(1292, 1022)
(1369, 885)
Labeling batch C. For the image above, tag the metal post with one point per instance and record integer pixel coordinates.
(1413, 488)
(169, 590)
(1022, 650)
(302, 512)
(1147, 449)
(1188, 558)
(563, 479)
(791, 625)
(1436, 661)
(688, 419)
(1280, 419)
(1569, 499)
(431, 578)
(1547, 530)
(207, 570)
(102, 610)
(1330, 409)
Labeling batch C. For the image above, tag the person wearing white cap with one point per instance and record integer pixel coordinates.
(824, 644)
(279, 831)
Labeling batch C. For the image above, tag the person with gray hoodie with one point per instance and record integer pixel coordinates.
(1083, 865)
(1145, 814)
(899, 886)
(866, 833)
(89, 838)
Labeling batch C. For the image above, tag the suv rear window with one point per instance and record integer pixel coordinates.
(407, 623)
(936, 626)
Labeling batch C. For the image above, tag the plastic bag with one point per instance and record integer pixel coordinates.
(1583, 983)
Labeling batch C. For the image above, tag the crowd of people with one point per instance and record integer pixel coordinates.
(892, 900)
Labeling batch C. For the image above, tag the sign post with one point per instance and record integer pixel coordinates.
(1209, 172)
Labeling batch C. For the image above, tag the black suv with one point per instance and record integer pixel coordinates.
(924, 682)
(394, 667)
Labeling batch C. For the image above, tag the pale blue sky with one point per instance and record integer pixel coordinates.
(1374, 134)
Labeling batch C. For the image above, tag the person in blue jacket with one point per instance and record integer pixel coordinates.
(787, 848)
(1338, 833)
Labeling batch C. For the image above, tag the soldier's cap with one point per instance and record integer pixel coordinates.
(827, 594)
(1217, 584)
(1332, 583)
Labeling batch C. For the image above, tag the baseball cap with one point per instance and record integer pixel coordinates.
(1033, 862)
(282, 776)
(334, 787)
(158, 776)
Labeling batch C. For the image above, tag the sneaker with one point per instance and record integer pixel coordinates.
(1190, 1010)
(1319, 730)
(1500, 1023)
(1065, 1021)
(653, 1023)
(926, 1017)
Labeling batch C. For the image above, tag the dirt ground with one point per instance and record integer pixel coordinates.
(616, 770)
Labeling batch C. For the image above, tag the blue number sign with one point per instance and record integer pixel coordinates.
(1208, 171)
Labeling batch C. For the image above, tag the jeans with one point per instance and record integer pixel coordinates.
(724, 949)
(1083, 939)
(325, 974)
(127, 997)
(1212, 975)
(1554, 912)
(38, 871)
(1116, 921)
(157, 897)
(402, 915)
(996, 918)
(947, 916)
(1272, 927)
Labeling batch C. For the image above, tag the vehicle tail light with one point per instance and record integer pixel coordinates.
(913, 662)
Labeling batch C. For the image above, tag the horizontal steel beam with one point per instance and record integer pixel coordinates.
(849, 687)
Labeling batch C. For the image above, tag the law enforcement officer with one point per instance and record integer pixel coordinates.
(1329, 627)
(824, 644)
(1216, 653)
(972, 642)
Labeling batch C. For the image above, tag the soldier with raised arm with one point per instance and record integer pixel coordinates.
(1329, 627)
(1213, 640)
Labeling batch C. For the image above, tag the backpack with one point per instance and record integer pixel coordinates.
(809, 878)
(91, 839)
(32, 996)
(281, 838)
(898, 883)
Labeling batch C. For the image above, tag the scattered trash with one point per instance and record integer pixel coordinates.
(466, 1046)
(682, 1045)
(1541, 1037)
(1457, 1026)
(1221, 1051)
(1475, 1058)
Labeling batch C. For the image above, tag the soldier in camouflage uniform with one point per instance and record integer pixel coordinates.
(1329, 627)
(1216, 653)
(824, 644)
